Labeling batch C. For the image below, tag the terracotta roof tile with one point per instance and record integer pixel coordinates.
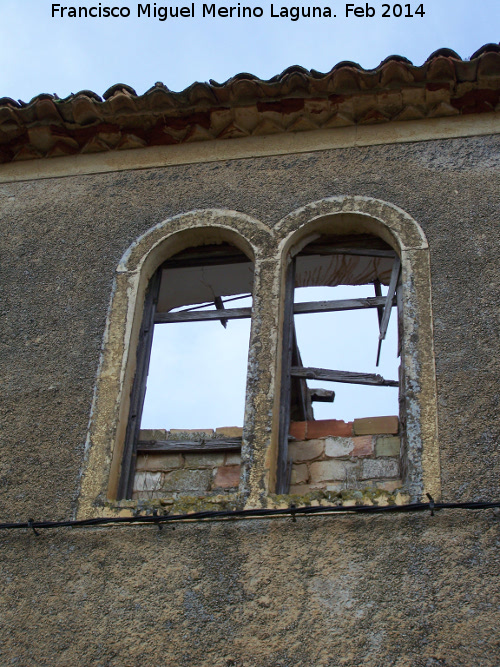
(296, 100)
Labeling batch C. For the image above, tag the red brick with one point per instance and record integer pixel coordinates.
(227, 477)
(298, 430)
(363, 445)
(376, 425)
(321, 428)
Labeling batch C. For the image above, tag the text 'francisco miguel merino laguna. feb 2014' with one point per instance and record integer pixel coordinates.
(206, 10)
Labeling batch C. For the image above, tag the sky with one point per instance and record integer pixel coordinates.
(45, 54)
(41, 53)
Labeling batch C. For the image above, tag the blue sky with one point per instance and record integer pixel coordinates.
(63, 55)
(41, 54)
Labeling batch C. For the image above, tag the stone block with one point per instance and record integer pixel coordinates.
(204, 460)
(229, 431)
(158, 461)
(376, 425)
(147, 481)
(300, 474)
(379, 468)
(307, 450)
(233, 459)
(321, 428)
(324, 471)
(146, 434)
(363, 445)
(300, 489)
(388, 446)
(227, 477)
(338, 447)
(190, 434)
(298, 430)
(389, 486)
(197, 481)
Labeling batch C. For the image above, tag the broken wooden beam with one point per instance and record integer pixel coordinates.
(322, 395)
(176, 446)
(298, 309)
(342, 376)
(391, 293)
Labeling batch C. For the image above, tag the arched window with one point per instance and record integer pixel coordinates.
(358, 240)
(178, 267)
(186, 410)
(323, 331)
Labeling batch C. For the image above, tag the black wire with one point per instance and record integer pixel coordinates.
(252, 513)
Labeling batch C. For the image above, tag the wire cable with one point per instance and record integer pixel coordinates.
(292, 511)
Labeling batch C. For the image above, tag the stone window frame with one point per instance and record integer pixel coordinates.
(269, 249)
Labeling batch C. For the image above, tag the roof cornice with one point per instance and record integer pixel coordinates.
(296, 100)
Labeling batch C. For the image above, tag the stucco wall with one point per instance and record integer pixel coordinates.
(410, 590)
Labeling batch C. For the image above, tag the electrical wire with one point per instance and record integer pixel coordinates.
(292, 511)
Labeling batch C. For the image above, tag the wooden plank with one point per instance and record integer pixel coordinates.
(322, 395)
(220, 306)
(378, 293)
(301, 405)
(391, 293)
(338, 305)
(282, 483)
(203, 315)
(298, 308)
(139, 388)
(342, 376)
(314, 249)
(173, 446)
(208, 255)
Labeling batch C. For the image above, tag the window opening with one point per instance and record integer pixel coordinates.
(188, 374)
(329, 264)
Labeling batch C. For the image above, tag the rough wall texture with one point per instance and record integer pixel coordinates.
(380, 590)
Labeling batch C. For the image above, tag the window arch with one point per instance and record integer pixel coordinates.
(271, 251)
(362, 216)
(102, 478)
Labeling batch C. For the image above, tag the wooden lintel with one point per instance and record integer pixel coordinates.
(342, 376)
(314, 249)
(175, 446)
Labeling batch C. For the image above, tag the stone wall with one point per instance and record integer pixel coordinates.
(166, 476)
(334, 456)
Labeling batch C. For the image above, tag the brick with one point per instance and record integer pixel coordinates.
(298, 430)
(159, 461)
(197, 481)
(229, 431)
(300, 474)
(377, 468)
(306, 451)
(323, 471)
(204, 460)
(227, 477)
(191, 434)
(388, 446)
(338, 447)
(321, 428)
(233, 458)
(376, 425)
(363, 445)
(146, 434)
(147, 481)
